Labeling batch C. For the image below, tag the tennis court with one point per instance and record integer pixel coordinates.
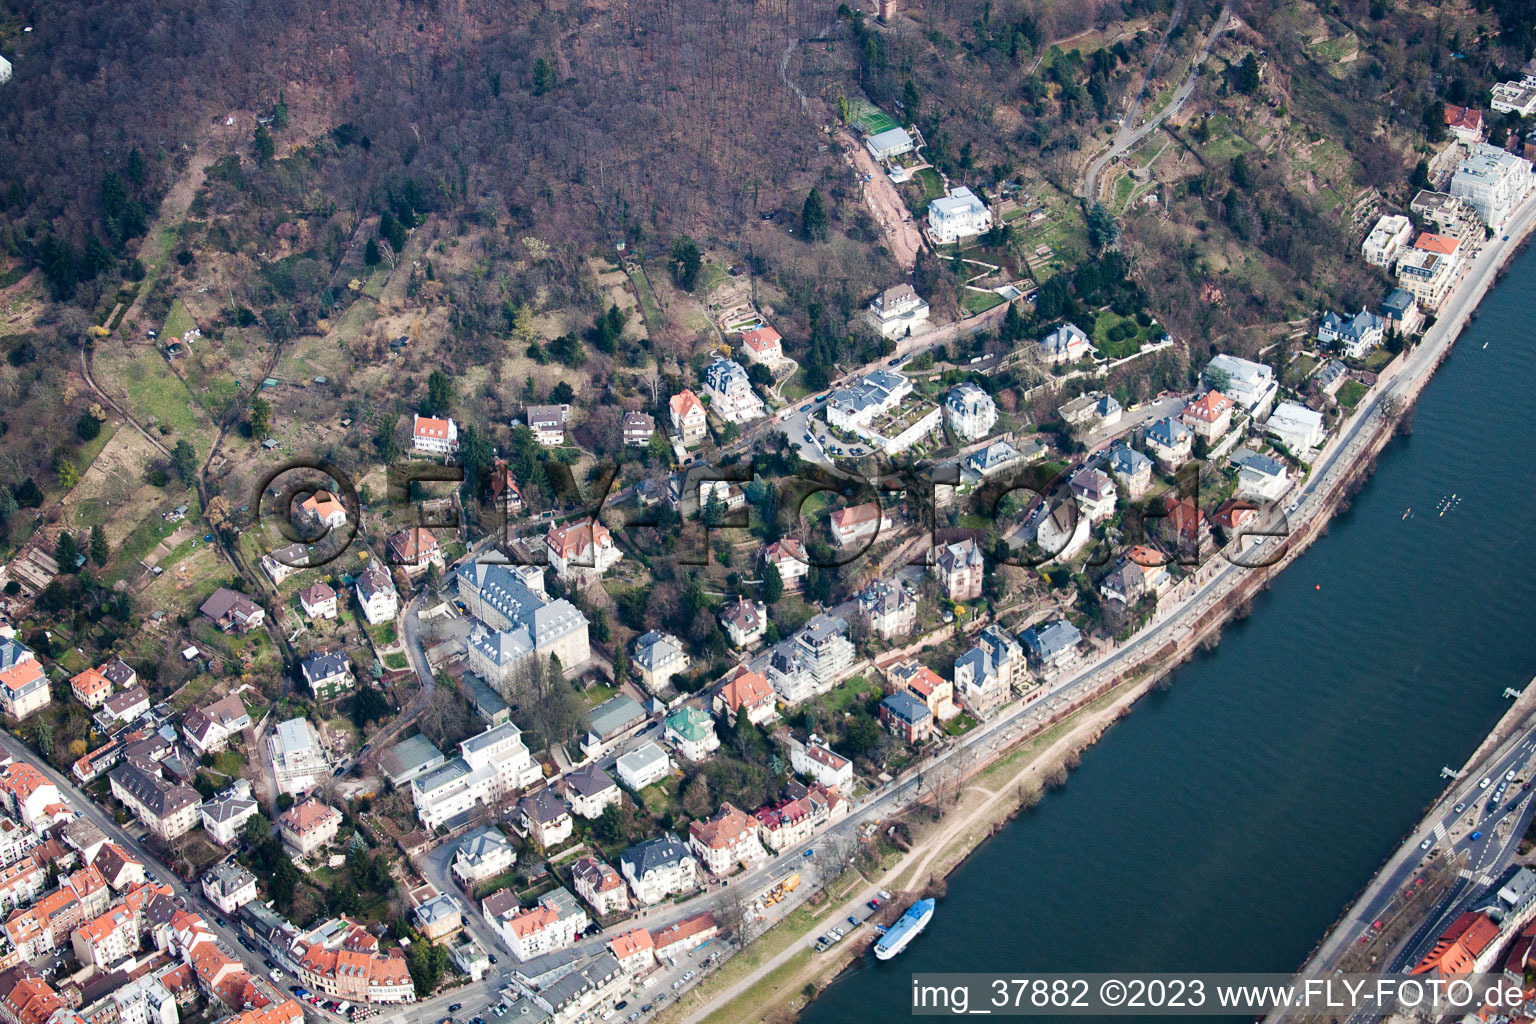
(870, 119)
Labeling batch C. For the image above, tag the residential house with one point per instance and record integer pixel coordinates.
(545, 818)
(491, 766)
(819, 762)
(986, 674)
(888, 608)
(548, 423)
(788, 555)
(307, 827)
(904, 715)
(1186, 526)
(1051, 645)
(229, 886)
(1251, 385)
(744, 621)
(1354, 337)
(1154, 568)
(409, 759)
(960, 214)
(1465, 124)
(505, 493)
(994, 458)
(1170, 442)
(961, 568)
(898, 312)
(232, 611)
(434, 436)
(123, 708)
(328, 674)
(1296, 426)
(1059, 529)
(415, 548)
(376, 594)
(634, 950)
(727, 839)
(796, 818)
(730, 392)
(1429, 269)
(692, 733)
(1132, 469)
(1262, 479)
(119, 673)
(971, 411)
(297, 759)
(643, 766)
(1066, 344)
(1388, 238)
(1125, 584)
(883, 409)
(208, 729)
(1095, 492)
(659, 658)
(1401, 312)
(746, 692)
(482, 855)
(762, 345)
(1209, 416)
(637, 428)
(225, 814)
(437, 916)
(323, 508)
(168, 808)
(600, 885)
(318, 601)
(90, 688)
(889, 144)
(580, 548)
(927, 686)
(1513, 97)
(588, 789)
(858, 524)
(1493, 181)
(658, 868)
(689, 420)
(286, 561)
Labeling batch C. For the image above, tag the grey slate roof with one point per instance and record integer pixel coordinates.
(655, 854)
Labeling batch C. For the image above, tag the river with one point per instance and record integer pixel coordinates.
(1226, 823)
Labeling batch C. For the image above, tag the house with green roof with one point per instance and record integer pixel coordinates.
(692, 732)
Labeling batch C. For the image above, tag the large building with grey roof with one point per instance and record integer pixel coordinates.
(521, 624)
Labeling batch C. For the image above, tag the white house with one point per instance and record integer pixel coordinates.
(763, 345)
(376, 594)
(1386, 240)
(1494, 182)
(434, 436)
(1249, 384)
(898, 311)
(692, 733)
(1095, 493)
(1066, 344)
(726, 840)
(548, 423)
(1261, 478)
(961, 214)
(658, 868)
(971, 411)
(582, 546)
(820, 762)
(1170, 442)
(730, 392)
(890, 143)
(790, 558)
(5, 70)
(642, 767)
(1354, 336)
(1298, 427)
(1515, 97)
(659, 657)
(689, 420)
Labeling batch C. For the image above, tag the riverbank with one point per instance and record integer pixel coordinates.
(1336, 478)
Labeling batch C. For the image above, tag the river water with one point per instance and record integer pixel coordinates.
(1226, 823)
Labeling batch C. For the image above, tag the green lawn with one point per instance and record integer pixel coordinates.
(177, 322)
(980, 302)
(648, 306)
(158, 395)
(926, 186)
(1350, 392)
